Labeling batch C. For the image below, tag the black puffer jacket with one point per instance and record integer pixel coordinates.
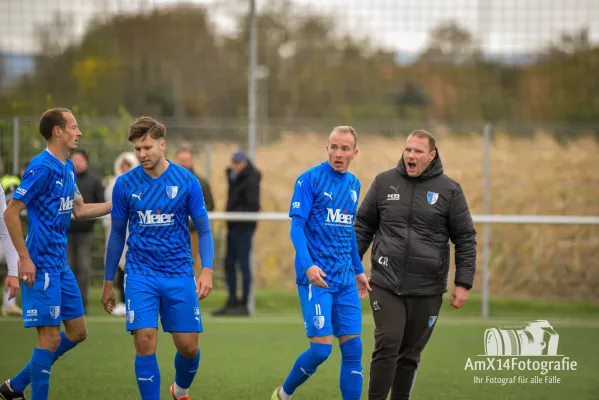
(412, 221)
(244, 195)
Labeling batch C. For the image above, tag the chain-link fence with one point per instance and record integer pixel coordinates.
(426, 60)
(383, 66)
(535, 174)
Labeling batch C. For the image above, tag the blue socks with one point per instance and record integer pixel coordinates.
(148, 377)
(186, 369)
(351, 377)
(23, 378)
(65, 345)
(40, 368)
(306, 365)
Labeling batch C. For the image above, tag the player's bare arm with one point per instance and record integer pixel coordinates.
(83, 211)
(11, 285)
(204, 283)
(15, 230)
(108, 298)
(363, 285)
(315, 275)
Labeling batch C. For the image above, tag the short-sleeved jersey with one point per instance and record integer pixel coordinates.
(48, 189)
(158, 211)
(328, 201)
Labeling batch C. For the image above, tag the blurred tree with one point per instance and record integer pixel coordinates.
(413, 101)
(172, 62)
(567, 45)
(564, 81)
(449, 43)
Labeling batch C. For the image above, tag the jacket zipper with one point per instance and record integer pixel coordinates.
(405, 264)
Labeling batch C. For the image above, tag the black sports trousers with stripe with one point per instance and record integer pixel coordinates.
(403, 327)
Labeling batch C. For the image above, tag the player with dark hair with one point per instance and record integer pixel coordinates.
(155, 200)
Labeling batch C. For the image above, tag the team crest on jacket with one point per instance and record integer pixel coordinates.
(171, 191)
(432, 197)
(354, 195)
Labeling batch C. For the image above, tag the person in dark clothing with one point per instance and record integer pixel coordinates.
(184, 157)
(81, 233)
(412, 211)
(244, 196)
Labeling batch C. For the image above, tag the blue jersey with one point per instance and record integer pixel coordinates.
(48, 188)
(158, 211)
(328, 201)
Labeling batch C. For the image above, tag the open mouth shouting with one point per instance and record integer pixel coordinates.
(411, 166)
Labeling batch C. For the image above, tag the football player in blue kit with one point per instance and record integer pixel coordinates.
(329, 273)
(50, 293)
(155, 201)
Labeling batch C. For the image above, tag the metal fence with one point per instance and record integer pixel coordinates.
(533, 197)
(275, 76)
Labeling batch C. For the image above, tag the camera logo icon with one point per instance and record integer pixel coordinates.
(536, 338)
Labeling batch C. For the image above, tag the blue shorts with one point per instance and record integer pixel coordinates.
(53, 298)
(175, 299)
(331, 311)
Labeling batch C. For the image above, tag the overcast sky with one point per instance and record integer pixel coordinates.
(505, 26)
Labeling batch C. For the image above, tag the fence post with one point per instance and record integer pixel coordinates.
(16, 146)
(208, 161)
(486, 226)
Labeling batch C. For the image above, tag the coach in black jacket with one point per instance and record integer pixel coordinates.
(412, 211)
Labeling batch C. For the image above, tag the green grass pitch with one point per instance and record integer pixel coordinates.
(246, 358)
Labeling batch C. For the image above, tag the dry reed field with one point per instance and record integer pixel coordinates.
(528, 176)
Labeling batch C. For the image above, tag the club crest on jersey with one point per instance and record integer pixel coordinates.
(72, 176)
(171, 191)
(54, 311)
(319, 321)
(432, 197)
(354, 195)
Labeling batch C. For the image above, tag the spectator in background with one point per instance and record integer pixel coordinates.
(184, 157)
(243, 196)
(124, 162)
(81, 233)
